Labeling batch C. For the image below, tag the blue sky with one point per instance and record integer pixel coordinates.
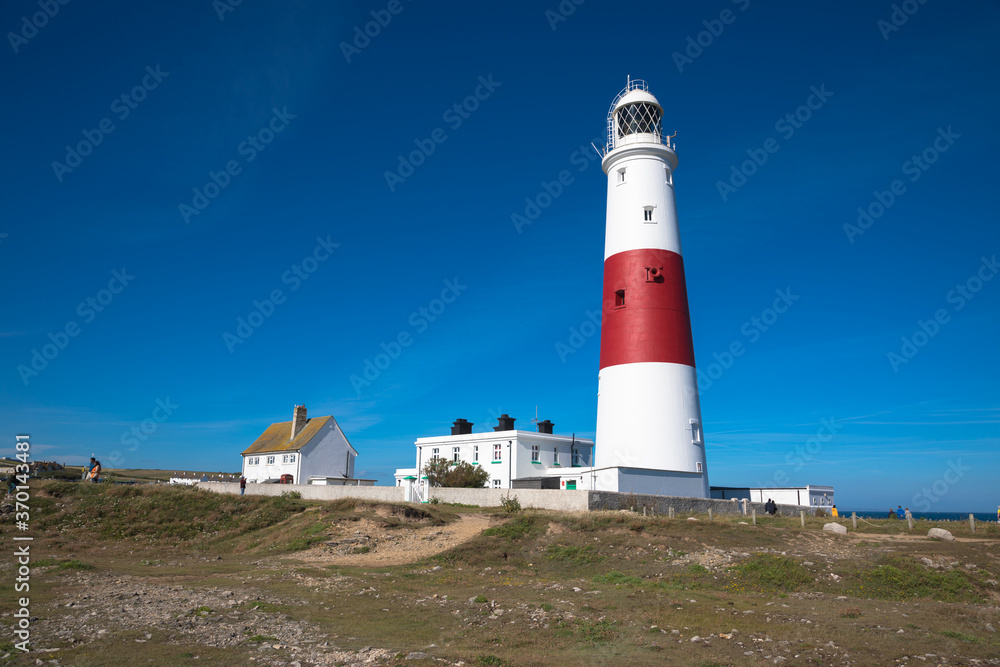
(279, 138)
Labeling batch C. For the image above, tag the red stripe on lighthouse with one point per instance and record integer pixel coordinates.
(653, 325)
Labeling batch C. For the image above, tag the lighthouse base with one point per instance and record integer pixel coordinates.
(638, 480)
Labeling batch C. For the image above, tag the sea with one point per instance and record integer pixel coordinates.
(926, 516)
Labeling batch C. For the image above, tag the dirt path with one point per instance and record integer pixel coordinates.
(394, 546)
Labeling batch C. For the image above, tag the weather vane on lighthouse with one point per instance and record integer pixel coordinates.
(649, 436)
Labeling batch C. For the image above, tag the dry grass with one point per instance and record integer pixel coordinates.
(540, 588)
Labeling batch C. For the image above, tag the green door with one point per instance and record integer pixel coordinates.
(571, 486)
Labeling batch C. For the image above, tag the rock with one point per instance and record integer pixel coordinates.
(417, 655)
(940, 534)
(696, 638)
(990, 628)
(835, 528)
(691, 518)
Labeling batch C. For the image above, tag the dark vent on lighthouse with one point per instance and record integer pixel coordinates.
(545, 427)
(504, 423)
(461, 427)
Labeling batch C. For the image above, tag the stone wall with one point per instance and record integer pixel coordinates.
(610, 500)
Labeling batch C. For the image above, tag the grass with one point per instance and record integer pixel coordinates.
(566, 588)
(61, 565)
(769, 573)
(903, 577)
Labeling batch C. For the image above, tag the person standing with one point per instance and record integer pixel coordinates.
(95, 470)
(243, 485)
(834, 512)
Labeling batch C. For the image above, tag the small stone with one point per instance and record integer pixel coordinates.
(696, 638)
(417, 655)
(940, 534)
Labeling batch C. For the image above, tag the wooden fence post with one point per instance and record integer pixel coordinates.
(670, 511)
(710, 516)
(854, 519)
(802, 517)
(755, 517)
(972, 522)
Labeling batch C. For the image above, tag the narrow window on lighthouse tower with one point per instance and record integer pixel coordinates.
(621, 176)
(695, 432)
(620, 298)
(647, 214)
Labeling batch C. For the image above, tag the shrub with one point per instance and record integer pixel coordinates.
(441, 472)
(510, 504)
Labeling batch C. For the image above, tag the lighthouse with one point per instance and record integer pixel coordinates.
(649, 434)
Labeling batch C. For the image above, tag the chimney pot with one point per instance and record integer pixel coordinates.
(461, 427)
(504, 423)
(545, 426)
(298, 420)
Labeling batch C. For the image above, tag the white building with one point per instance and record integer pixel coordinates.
(810, 495)
(308, 451)
(513, 458)
(649, 435)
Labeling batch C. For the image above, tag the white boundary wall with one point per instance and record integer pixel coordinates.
(310, 491)
(566, 501)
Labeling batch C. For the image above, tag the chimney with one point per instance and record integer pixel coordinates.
(545, 427)
(461, 427)
(504, 423)
(298, 420)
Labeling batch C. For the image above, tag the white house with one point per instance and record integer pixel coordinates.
(310, 451)
(810, 495)
(513, 458)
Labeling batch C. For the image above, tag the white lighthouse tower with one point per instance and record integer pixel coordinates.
(649, 435)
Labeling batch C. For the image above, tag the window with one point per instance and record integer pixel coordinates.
(497, 452)
(621, 176)
(575, 456)
(620, 298)
(555, 456)
(534, 454)
(697, 466)
(496, 484)
(435, 454)
(270, 460)
(669, 176)
(695, 432)
(284, 458)
(475, 454)
(647, 214)
(455, 456)
(291, 458)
